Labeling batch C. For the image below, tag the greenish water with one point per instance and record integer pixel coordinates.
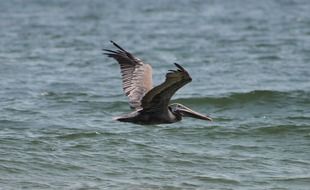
(249, 61)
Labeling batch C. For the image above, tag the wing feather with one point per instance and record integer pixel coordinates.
(158, 98)
(136, 75)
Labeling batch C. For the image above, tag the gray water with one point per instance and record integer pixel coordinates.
(249, 61)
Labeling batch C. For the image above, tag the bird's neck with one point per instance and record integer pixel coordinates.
(176, 115)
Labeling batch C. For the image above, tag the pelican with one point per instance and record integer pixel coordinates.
(151, 105)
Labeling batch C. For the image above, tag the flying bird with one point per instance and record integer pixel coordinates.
(151, 104)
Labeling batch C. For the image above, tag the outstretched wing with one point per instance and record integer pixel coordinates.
(136, 75)
(158, 98)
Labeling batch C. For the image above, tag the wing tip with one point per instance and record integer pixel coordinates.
(118, 46)
(115, 44)
(105, 51)
(179, 67)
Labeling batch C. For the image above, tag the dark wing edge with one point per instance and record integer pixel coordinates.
(136, 75)
(159, 97)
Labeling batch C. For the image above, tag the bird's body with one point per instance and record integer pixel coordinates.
(151, 105)
(141, 117)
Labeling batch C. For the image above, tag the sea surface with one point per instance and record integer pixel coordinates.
(250, 64)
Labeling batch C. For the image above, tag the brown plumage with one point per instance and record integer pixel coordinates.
(151, 104)
(158, 98)
(136, 75)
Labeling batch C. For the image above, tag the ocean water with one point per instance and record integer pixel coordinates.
(250, 64)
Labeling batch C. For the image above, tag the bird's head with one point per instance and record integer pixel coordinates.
(182, 111)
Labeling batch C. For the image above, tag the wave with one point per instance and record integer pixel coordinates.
(256, 96)
(78, 135)
(220, 179)
(283, 129)
(251, 101)
(66, 95)
(259, 96)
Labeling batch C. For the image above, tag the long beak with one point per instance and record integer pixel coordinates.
(190, 113)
